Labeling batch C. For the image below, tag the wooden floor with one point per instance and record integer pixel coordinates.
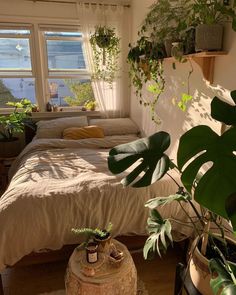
(158, 276)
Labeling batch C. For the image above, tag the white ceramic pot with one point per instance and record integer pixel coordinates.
(199, 271)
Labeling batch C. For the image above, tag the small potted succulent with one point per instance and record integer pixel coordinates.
(102, 237)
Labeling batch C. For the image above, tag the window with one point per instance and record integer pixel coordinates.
(16, 74)
(67, 76)
(52, 58)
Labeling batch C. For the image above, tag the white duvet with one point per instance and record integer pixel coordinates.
(60, 184)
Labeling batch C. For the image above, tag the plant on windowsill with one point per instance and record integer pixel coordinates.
(213, 188)
(12, 124)
(90, 105)
(106, 48)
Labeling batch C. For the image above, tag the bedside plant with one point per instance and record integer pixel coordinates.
(12, 124)
(214, 189)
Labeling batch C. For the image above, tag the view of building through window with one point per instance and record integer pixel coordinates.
(68, 80)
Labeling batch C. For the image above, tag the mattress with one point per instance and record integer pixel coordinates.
(57, 185)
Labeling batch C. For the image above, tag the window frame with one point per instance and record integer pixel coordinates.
(39, 58)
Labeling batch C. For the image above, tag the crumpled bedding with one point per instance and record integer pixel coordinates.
(60, 184)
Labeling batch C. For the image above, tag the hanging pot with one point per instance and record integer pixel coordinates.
(199, 270)
(9, 149)
(208, 37)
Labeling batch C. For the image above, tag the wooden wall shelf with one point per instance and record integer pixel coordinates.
(206, 61)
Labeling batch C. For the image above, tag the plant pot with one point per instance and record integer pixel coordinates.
(208, 37)
(9, 149)
(103, 243)
(199, 270)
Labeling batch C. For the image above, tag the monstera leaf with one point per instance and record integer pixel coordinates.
(221, 281)
(216, 189)
(153, 162)
(224, 112)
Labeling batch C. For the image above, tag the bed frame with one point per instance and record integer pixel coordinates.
(133, 243)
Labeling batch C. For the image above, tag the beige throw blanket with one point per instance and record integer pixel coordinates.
(60, 184)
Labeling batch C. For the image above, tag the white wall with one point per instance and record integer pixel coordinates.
(174, 120)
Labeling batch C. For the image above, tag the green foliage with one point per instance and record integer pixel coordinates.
(154, 162)
(185, 98)
(6, 95)
(159, 230)
(213, 12)
(15, 122)
(82, 91)
(105, 45)
(91, 233)
(146, 65)
(223, 279)
(90, 105)
(162, 201)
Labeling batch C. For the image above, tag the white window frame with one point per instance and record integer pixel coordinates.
(39, 58)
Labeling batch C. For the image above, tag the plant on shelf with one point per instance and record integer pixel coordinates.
(213, 188)
(146, 65)
(90, 105)
(106, 48)
(210, 15)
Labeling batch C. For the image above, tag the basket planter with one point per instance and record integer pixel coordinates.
(208, 37)
(199, 270)
(9, 149)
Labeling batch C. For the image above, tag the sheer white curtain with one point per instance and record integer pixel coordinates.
(113, 101)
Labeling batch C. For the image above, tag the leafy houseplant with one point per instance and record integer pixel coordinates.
(210, 15)
(12, 124)
(213, 189)
(100, 236)
(146, 65)
(90, 105)
(105, 46)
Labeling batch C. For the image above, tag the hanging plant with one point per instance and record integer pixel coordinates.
(105, 46)
(146, 68)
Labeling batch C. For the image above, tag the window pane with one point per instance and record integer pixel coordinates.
(70, 92)
(63, 34)
(15, 54)
(14, 89)
(65, 55)
(15, 32)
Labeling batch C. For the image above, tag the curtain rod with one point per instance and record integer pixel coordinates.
(74, 2)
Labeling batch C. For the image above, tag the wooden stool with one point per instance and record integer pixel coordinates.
(103, 277)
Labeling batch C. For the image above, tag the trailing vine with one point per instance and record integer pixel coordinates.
(105, 46)
(146, 65)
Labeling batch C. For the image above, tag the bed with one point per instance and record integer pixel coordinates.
(59, 184)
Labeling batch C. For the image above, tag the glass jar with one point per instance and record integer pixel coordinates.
(92, 252)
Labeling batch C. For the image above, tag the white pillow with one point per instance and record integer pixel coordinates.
(54, 128)
(117, 126)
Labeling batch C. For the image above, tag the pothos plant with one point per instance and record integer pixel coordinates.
(146, 66)
(106, 48)
(214, 189)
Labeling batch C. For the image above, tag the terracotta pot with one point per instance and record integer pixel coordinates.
(9, 149)
(208, 37)
(199, 271)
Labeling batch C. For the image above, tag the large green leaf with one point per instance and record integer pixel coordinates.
(217, 186)
(221, 281)
(159, 230)
(161, 201)
(224, 112)
(153, 161)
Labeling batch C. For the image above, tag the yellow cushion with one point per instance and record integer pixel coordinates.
(83, 132)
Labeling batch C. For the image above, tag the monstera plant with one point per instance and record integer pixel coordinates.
(213, 188)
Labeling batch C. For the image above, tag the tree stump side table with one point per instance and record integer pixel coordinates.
(105, 277)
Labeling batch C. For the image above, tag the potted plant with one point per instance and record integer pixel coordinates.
(12, 124)
(146, 65)
(102, 237)
(105, 46)
(210, 16)
(214, 189)
(90, 105)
